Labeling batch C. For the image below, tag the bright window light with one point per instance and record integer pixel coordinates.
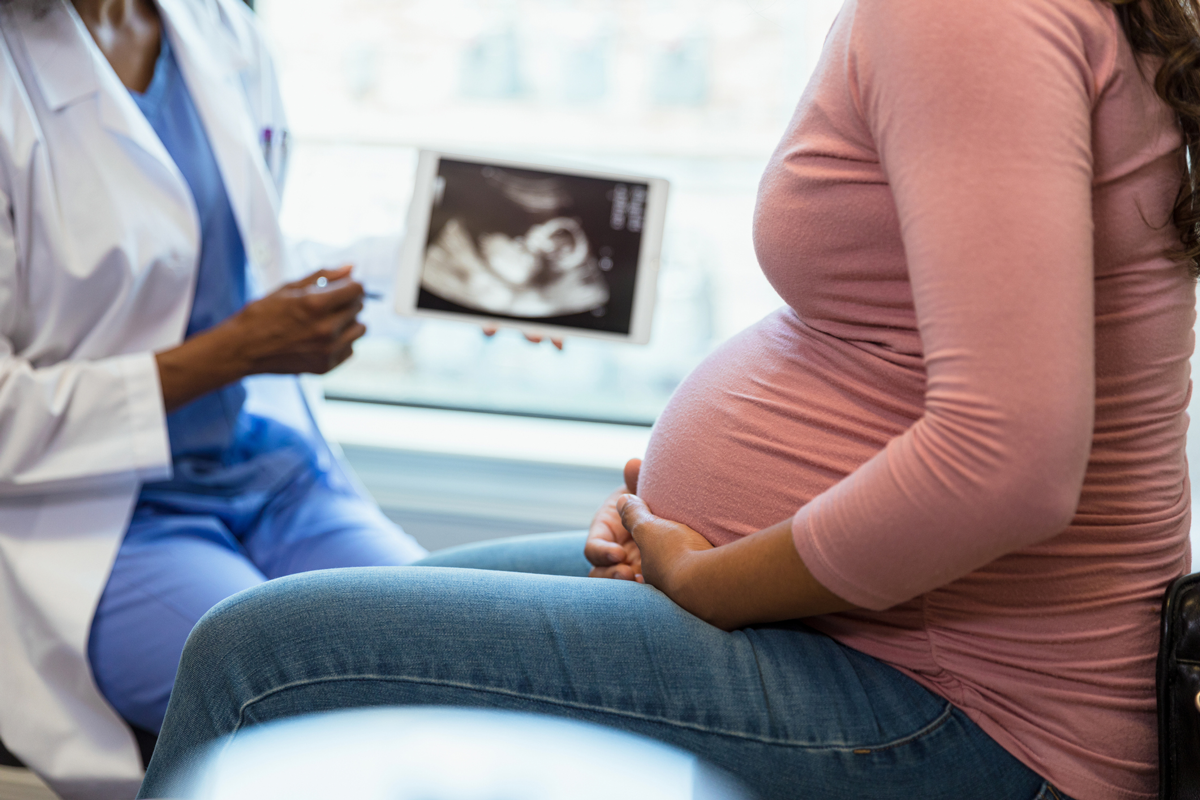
(696, 91)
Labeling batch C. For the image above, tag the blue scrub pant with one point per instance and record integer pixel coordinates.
(181, 558)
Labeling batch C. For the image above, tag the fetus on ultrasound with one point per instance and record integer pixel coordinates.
(507, 247)
(549, 271)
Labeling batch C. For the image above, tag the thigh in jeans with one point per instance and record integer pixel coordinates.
(789, 711)
(539, 553)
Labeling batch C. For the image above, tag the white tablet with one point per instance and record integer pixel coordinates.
(547, 250)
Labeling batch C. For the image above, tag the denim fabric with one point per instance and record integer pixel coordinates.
(789, 711)
(542, 554)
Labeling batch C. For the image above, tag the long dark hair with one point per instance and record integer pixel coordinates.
(1168, 29)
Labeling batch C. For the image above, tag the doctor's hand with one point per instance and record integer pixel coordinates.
(306, 326)
(611, 550)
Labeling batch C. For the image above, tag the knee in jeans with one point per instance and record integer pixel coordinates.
(218, 634)
(254, 621)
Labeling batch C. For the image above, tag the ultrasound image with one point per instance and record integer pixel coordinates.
(533, 246)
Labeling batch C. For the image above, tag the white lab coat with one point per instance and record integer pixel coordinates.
(99, 243)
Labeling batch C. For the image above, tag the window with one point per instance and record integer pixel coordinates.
(697, 91)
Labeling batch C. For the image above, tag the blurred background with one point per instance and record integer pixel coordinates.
(696, 91)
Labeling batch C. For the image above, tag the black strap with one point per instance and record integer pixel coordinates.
(1179, 692)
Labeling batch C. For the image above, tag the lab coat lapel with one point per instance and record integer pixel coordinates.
(209, 63)
(61, 56)
(70, 68)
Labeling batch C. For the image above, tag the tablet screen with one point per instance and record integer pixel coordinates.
(528, 245)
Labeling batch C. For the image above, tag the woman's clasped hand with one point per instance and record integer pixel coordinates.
(611, 548)
(623, 529)
(759, 578)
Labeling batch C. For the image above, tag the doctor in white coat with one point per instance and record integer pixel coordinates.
(142, 150)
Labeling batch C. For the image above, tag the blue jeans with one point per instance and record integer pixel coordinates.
(789, 711)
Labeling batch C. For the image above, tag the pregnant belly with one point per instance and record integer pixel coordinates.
(770, 420)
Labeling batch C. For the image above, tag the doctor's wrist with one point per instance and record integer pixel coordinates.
(202, 364)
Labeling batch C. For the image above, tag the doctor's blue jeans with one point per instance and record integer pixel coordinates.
(790, 712)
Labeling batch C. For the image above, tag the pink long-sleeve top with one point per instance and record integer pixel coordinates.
(976, 393)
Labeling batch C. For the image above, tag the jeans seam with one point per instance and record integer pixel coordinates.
(762, 681)
(940, 720)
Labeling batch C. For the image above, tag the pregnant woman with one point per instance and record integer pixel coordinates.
(904, 538)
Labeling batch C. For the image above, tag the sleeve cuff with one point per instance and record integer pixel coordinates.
(807, 541)
(147, 419)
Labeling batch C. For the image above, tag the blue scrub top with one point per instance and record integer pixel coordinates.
(217, 448)
(206, 425)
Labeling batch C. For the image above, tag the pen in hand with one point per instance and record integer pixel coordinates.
(323, 284)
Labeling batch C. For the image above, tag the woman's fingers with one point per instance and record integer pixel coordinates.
(633, 511)
(633, 468)
(620, 572)
(601, 553)
(609, 548)
(606, 536)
